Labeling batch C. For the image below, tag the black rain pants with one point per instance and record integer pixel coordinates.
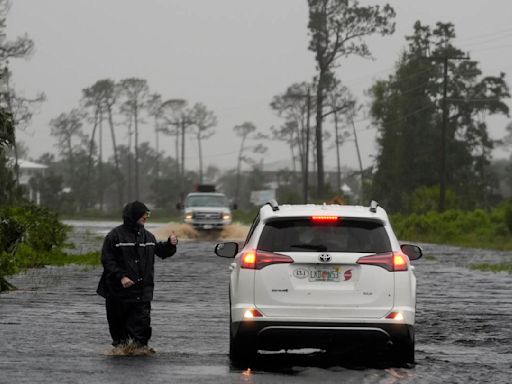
(129, 321)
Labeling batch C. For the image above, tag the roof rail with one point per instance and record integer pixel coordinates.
(373, 206)
(273, 204)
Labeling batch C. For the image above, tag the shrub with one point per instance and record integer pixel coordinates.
(28, 236)
(42, 230)
(508, 216)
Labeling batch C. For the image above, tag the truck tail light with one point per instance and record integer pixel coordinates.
(390, 261)
(255, 259)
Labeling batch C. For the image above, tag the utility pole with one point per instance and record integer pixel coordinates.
(444, 128)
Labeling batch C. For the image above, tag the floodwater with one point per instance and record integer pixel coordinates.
(53, 328)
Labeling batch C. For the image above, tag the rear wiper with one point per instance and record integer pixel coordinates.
(315, 247)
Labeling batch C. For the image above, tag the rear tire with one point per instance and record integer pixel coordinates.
(241, 353)
(404, 351)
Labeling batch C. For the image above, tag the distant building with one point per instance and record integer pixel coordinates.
(27, 170)
(281, 172)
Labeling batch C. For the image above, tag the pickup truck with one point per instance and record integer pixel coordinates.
(206, 210)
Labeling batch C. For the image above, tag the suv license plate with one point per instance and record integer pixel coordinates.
(207, 226)
(324, 275)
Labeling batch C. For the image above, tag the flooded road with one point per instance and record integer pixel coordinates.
(53, 328)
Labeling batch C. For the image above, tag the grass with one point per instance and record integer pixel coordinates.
(61, 258)
(486, 267)
(27, 258)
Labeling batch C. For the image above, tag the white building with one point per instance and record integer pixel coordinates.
(27, 170)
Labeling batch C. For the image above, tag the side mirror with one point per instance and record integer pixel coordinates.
(412, 251)
(228, 250)
(234, 206)
(179, 206)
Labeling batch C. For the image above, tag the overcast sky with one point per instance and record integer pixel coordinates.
(232, 55)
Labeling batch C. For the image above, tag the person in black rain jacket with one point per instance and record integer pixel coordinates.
(127, 281)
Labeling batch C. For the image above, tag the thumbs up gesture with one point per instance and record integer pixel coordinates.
(173, 239)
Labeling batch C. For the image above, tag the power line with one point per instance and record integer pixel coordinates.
(485, 35)
(492, 48)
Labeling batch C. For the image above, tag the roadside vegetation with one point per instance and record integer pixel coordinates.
(33, 237)
(490, 229)
(478, 228)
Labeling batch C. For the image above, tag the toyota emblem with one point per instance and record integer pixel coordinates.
(324, 257)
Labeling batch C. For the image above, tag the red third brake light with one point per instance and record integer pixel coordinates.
(259, 259)
(324, 219)
(391, 261)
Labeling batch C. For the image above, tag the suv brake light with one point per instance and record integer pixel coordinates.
(255, 259)
(324, 219)
(390, 261)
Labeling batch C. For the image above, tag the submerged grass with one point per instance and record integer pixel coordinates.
(26, 257)
(486, 267)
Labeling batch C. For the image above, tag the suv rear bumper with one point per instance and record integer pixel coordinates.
(273, 335)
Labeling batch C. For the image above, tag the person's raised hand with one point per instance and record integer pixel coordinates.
(173, 239)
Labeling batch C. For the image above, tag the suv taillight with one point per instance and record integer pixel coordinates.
(391, 261)
(255, 259)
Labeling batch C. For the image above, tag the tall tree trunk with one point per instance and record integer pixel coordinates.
(177, 149)
(89, 164)
(70, 157)
(14, 123)
(116, 158)
(301, 134)
(200, 158)
(182, 157)
(157, 149)
(239, 168)
(101, 185)
(358, 157)
(294, 166)
(129, 160)
(338, 162)
(136, 125)
(319, 143)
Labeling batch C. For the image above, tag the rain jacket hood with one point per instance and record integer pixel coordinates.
(132, 212)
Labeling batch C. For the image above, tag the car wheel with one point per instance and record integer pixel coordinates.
(241, 353)
(404, 351)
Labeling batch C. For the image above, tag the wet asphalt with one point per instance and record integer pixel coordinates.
(53, 328)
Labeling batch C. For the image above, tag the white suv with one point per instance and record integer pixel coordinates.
(325, 276)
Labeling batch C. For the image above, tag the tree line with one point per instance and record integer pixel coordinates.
(433, 145)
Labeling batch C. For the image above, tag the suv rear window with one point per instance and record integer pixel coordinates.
(346, 235)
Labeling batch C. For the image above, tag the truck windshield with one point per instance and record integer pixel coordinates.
(206, 201)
